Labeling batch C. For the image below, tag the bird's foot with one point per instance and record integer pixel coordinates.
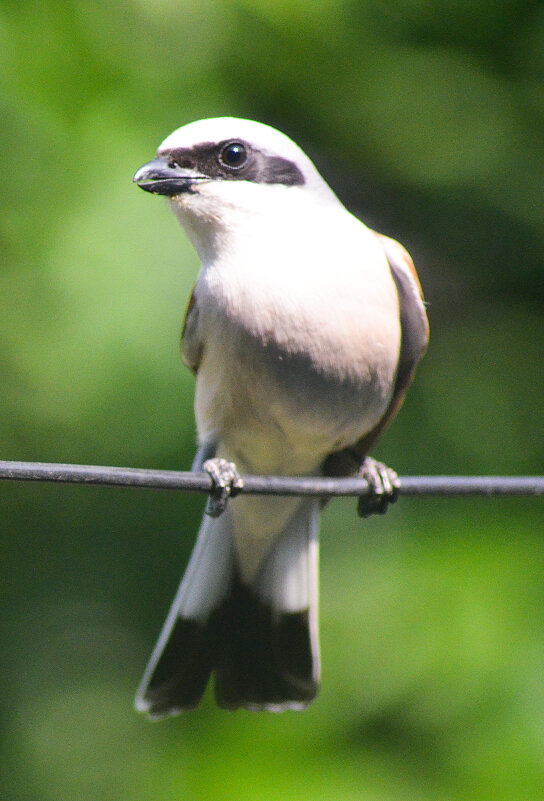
(384, 485)
(226, 484)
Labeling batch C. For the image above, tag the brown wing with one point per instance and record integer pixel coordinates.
(191, 345)
(414, 340)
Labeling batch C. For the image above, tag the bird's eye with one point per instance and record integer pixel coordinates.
(234, 155)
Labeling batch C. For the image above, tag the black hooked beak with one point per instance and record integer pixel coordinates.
(162, 176)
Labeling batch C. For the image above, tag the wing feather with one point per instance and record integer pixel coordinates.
(191, 344)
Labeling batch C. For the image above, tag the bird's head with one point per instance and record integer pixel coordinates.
(218, 171)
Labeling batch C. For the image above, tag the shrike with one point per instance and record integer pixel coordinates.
(304, 330)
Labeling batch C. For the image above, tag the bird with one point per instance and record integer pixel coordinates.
(303, 331)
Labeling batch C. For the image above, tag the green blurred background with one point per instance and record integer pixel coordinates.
(428, 120)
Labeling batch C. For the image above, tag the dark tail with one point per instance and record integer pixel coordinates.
(259, 642)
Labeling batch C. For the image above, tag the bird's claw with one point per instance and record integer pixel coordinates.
(226, 484)
(384, 485)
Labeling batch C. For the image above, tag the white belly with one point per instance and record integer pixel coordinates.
(275, 411)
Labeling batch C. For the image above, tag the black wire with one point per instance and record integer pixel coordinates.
(267, 485)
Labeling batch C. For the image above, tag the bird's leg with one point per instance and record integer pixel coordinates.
(384, 487)
(226, 484)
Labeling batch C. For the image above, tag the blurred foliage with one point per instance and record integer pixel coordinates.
(427, 118)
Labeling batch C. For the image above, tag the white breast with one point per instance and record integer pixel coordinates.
(301, 337)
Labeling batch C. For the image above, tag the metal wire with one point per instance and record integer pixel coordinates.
(443, 486)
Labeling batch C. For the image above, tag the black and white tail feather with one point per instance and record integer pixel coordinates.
(260, 641)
